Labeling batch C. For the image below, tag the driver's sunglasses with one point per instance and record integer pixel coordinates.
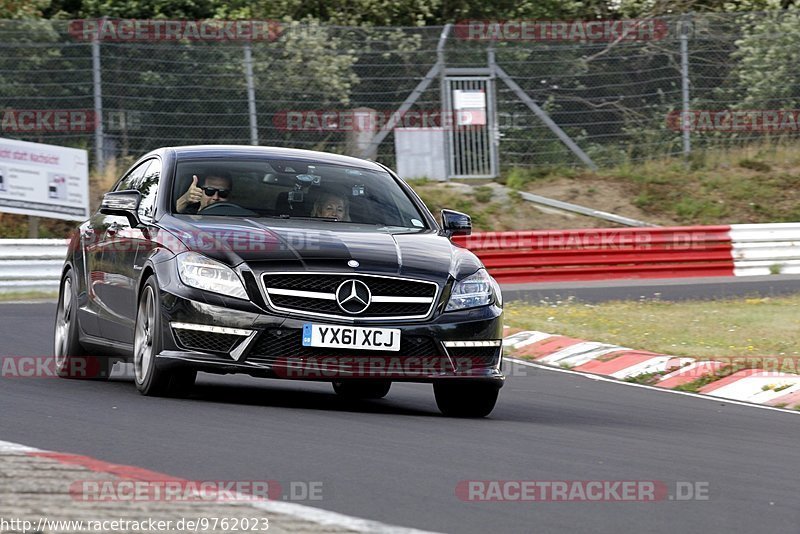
(210, 191)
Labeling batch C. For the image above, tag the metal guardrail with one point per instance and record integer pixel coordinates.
(762, 249)
(31, 264)
(537, 256)
(604, 253)
(574, 208)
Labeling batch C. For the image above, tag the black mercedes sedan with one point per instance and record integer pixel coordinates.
(278, 263)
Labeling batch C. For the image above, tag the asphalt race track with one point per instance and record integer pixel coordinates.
(674, 289)
(398, 461)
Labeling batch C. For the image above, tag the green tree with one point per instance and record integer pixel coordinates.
(765, 69)
(23, 9)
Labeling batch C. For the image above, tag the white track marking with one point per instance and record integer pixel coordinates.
(751, 388)
(7, 447)
(580, 353)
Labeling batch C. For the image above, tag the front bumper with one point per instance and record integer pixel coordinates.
(267, 345)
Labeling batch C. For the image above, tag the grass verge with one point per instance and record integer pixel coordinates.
(28, 295)
(748, 327)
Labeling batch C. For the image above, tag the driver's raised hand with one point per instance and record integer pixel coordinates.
(193, 195)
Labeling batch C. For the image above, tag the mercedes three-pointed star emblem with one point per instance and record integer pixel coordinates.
(353, 296)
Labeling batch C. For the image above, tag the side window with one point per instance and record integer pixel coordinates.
(134, 177)
(148, 187)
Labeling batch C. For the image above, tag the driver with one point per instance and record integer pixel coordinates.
(216, 188)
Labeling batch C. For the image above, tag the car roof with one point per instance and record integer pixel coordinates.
(217, 151)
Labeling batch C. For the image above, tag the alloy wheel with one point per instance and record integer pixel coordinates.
(143, 336)
(63, 324)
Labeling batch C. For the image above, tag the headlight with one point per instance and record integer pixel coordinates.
(478, 289)
(201, 272)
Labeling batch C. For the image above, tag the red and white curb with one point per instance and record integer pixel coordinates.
(748, 385)
(323, 518)
(754, 385)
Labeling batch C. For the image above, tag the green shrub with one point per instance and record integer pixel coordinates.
(483, 194)
(754, 165)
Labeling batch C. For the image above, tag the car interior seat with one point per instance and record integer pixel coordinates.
(301, 209)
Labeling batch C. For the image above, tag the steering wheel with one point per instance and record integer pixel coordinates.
(226, 208)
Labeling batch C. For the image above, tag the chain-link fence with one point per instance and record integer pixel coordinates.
(615, 99)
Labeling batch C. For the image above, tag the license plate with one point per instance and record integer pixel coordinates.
(351, 337)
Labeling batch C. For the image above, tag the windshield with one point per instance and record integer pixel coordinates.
(292, 189)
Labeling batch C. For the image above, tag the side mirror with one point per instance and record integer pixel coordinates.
(456, 223)
(124, 203)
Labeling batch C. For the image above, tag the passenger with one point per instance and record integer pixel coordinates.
(216, 188)
(332, 205)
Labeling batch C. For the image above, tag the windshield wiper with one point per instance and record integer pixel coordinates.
(392, 228)
(326, 219)
(304, 218)
(286, 216)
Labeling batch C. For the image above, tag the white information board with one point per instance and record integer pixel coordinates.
(44, 180)
(470, 107)
(469, 99)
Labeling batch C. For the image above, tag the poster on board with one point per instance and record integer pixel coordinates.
(44, 180)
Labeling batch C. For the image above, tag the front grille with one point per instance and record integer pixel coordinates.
(206, 341)
(474, 357)
(328, 283)
(273, 346)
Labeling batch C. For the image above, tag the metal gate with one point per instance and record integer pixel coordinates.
(472, 130)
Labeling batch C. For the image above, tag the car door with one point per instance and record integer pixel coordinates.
(115, 288)
(91, 237)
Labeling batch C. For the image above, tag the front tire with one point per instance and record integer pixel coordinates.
(362, 389)
(150, 377)
(465, 399)
(71, 360)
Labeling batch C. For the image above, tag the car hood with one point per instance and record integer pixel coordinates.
(267, 244)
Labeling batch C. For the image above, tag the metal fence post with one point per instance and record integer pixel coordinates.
(251, 94)
(444, 97)
(686, 21)
(491, 108)
(99, 139)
